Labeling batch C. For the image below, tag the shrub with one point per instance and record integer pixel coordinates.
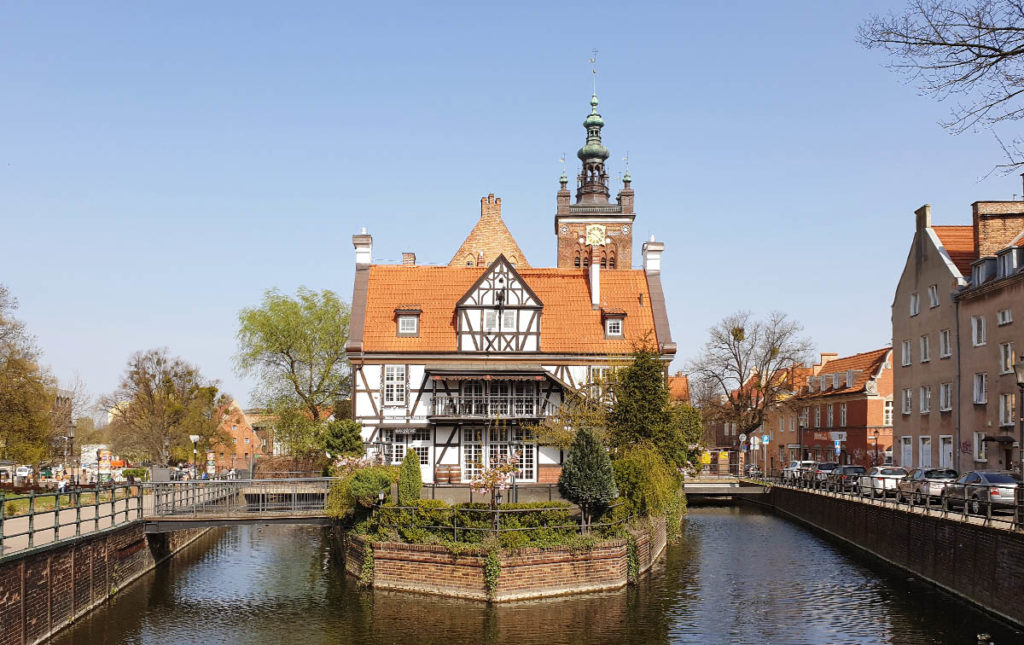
(410, 481)
(140, 474)
(646, 481)
(358, 490)
(587, 477)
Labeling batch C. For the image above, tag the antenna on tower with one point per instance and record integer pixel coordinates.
(593, 61)
(563, 163)
(626, 159)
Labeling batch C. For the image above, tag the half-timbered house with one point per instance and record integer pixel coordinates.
(456, 362)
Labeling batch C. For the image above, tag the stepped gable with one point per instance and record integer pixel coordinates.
(491, 238)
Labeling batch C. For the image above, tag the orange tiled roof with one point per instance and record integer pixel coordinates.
(865, 365)
(679, 388)
(568, 323)
(959, 243)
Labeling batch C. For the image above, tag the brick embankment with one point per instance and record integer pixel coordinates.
(528, 573)
(44, 589)
(982, 564)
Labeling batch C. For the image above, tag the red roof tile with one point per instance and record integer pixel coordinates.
(568, 325)
(865, 365)
(679, 388)
(959, 243)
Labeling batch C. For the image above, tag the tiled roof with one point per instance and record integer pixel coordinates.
(679, 388)
(568, 323)
(865, 366)
(959, 243)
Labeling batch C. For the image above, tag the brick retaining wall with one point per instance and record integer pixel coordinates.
(529, 573)
(984, 565)
(45, 589)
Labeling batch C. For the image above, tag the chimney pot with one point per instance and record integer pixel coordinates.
(408, 259)
(652, 256)
(363, 244)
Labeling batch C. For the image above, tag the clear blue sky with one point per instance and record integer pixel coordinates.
(161, 164)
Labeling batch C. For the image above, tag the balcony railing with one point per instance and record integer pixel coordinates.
(491, 406)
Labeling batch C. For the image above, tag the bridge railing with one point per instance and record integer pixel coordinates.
(960, 502)
(28, 520)
(240, 497)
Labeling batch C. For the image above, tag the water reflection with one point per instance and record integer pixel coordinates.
(737, 576)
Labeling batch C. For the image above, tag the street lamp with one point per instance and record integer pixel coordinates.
(195, 454)
(874, 456)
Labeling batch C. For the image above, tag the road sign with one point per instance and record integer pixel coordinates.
(766, 439)
(837, 447)
(743, 437)
(755, 442)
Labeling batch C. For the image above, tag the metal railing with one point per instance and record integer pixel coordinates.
(958, 502)
(27, 518)
(241, 497)
(491, 405)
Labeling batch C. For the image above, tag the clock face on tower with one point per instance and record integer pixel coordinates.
(625, 229)
(595, 235)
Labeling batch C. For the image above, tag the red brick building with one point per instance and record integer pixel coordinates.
(245, 445)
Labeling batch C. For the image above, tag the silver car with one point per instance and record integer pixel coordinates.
(979, 488)
(794, 471)
(881, 480)
(923, 484)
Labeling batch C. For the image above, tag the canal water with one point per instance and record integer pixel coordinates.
(738, 575)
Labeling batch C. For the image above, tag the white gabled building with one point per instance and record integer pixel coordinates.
(457, 361)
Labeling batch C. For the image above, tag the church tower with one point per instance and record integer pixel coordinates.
(593, 229)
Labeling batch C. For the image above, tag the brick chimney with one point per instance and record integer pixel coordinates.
(480, 259)
(408, 259)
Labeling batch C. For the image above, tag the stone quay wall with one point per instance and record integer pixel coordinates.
(527, 573)
(982, 564)
(45, 589)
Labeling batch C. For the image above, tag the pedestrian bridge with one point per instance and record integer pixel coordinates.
(710, 488)
(210, 503)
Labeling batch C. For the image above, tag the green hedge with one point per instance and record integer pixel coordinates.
(141, 474)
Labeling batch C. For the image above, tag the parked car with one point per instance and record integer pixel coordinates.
(752, 470)
(978, 488)
(844, 478)
(880, 480)
(23, 471)
(921, 484)
(792, 472)
(817, 474)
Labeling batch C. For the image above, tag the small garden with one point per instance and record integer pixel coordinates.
(627, 449)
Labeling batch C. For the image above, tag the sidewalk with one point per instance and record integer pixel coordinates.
(43, 523)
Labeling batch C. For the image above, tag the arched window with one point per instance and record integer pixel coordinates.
(586, 261)
(611, 262)
(604, 261)
(470, 261)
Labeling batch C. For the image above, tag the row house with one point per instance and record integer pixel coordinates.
(458, 362)
(839, 409)
(956, 341)
(239, 445)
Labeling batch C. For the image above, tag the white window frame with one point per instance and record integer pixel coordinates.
(490, 320)
(926, 350)
(905, 356)
(905, 442)
(613, 327)
(817, 416)
(933, 296)
(945, 344)
(887, 413)
(849, 378)
(1007, 264)
(915, 304)
(1004, 317)
(1007, 406)
(979, 335)
(792, 423)
(394, 385)
(945, 462)
(980, 388)
(829, 416)
(842, 415)
(508, 320)
(926, 399)
(945, 397)
(408, 325)
(1006, 358)
(980, 451)
(908, 401)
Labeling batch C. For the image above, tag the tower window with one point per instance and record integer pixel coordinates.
(576, 262)
(611, 262)
(604, 262)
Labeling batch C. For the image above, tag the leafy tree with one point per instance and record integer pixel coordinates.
(27, 391)
(296, 347)
(647, 481)
(410, 480)
(746, 367)
(970, 49)
(686, 420)
(160, 401)
(587, 477)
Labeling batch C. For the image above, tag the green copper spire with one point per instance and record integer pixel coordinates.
(593, 181)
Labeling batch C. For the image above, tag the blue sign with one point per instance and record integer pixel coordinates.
(837, 447)
(766, 440)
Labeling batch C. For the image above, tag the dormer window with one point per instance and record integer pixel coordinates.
(613, 327)
(1007, 263)
(408, 318)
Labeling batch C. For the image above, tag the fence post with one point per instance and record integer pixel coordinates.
(96, 507)
(3, 512)
(31, 516)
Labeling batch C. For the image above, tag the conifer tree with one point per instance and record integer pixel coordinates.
(641, 414)
(587, 477)
(410, 481)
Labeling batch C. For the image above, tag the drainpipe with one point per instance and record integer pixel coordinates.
(959, 402)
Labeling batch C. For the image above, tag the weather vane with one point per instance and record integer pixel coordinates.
(626, 159)
(563, 163)
(593, 61)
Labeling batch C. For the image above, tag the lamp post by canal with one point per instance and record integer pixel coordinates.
(874, 455)
(195, 454)
(1018, 372)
